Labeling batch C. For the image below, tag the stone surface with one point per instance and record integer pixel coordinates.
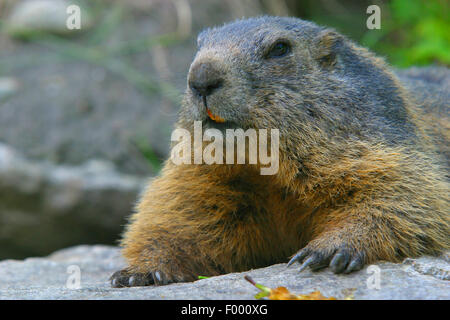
(8, 86)
(44, 207)
(46, 278)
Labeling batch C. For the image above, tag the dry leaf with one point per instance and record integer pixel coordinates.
(281, 293)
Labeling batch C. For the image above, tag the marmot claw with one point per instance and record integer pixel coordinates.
(342, 260)
(127, 278)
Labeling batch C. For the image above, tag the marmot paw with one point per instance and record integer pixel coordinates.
(341, 260)
(127, 278)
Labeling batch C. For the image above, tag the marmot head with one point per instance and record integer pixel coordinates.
(308, 81)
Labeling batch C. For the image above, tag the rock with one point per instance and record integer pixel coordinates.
(60, 205)
(437, 269)
(8, 86)
(73, 109)
(47, 278)
(44, 16)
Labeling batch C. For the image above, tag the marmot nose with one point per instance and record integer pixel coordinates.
(204, 79)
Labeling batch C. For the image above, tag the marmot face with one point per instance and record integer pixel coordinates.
(244, 68)
(282, 73)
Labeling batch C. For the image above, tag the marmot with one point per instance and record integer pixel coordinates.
(363, 160)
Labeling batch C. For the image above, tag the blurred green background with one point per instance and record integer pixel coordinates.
(110, 92)
(413, 32)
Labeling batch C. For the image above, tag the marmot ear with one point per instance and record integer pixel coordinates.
(327, 44)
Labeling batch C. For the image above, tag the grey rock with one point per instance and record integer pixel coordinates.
(47, 278)
(70, 109)
(8, 86)
(438, 269)
(44, 207)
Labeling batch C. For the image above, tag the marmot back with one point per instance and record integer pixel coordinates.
(430, 89)
(362, 167)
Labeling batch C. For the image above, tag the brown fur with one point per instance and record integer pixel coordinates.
(365, 197)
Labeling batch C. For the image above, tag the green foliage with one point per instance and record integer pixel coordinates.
(147, 152)
(413, 32)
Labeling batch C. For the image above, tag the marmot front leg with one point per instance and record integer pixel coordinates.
(157, 256)
(349, 237)
(335, 249)
(166, 241)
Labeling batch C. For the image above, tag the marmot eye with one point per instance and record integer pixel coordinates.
(279, 49)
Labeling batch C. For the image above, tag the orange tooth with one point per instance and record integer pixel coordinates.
(215, 118)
